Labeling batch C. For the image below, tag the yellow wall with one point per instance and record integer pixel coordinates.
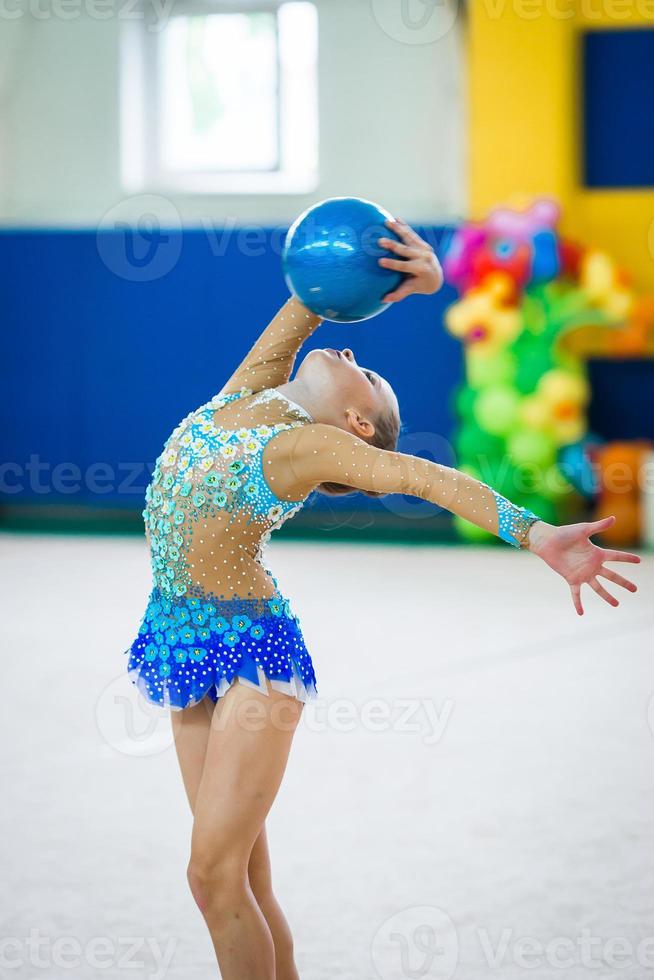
(524, 119)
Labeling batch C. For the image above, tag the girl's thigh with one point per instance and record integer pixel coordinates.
(191, 728)
(246, 755)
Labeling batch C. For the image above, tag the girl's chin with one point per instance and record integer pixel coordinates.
(317, 365)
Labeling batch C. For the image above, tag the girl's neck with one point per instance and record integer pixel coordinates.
(298, 392)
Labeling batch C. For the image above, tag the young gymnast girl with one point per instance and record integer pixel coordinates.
(232, 471)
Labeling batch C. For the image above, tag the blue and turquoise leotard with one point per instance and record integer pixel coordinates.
(231, 472)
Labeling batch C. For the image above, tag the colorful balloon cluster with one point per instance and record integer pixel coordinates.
(522, 409)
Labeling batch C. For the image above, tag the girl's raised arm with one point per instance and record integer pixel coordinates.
(270, 361)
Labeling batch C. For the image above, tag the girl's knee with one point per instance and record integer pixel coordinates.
(214, 877)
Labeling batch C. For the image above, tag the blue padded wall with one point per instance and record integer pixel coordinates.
(97, 369)
(618, 85)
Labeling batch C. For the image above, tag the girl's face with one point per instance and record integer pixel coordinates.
(342, 389)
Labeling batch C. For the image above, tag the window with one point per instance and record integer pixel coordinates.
(222, 98)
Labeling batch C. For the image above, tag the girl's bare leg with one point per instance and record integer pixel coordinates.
(191, 728)
(200, 737)
(261, 884)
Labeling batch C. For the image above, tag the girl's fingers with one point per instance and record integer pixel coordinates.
(408, 251)
(601, 591)
(621, 556)
(596, 527)
(400, 265)
(404, 290)
(575, 591)
(405, 231)
(618, 579)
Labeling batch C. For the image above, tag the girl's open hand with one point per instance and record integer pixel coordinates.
(415, 258)
(569, 552)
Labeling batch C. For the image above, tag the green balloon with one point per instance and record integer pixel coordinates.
(496, 409)
(464, 401)
(514, 481)
(491, 369)
(534, 359)
(544, 508)
(528, 447)
(472, 442)
(554, 485)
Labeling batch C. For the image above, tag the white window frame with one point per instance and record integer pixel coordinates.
(139, 92)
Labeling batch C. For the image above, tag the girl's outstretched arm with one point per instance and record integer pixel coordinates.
(270, 361)
(321, 453)
(315, 454)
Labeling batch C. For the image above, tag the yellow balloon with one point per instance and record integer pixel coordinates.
(564, 386)
(535, 413)
(569, 430)
(600, 279)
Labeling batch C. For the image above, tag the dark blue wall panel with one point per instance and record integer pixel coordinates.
(96, 368)
(618, 93)
(622, 404)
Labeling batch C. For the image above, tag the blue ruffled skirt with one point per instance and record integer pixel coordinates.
(194, 646)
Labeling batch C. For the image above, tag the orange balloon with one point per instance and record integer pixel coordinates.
(628, 527)
(642, 312)
(630, 341)
(620, 463)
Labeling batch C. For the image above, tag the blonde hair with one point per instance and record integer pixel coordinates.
(387, 432)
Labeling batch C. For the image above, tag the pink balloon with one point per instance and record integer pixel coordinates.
(521, 226)
(457, 264)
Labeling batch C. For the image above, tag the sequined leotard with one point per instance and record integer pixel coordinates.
(231, 472)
